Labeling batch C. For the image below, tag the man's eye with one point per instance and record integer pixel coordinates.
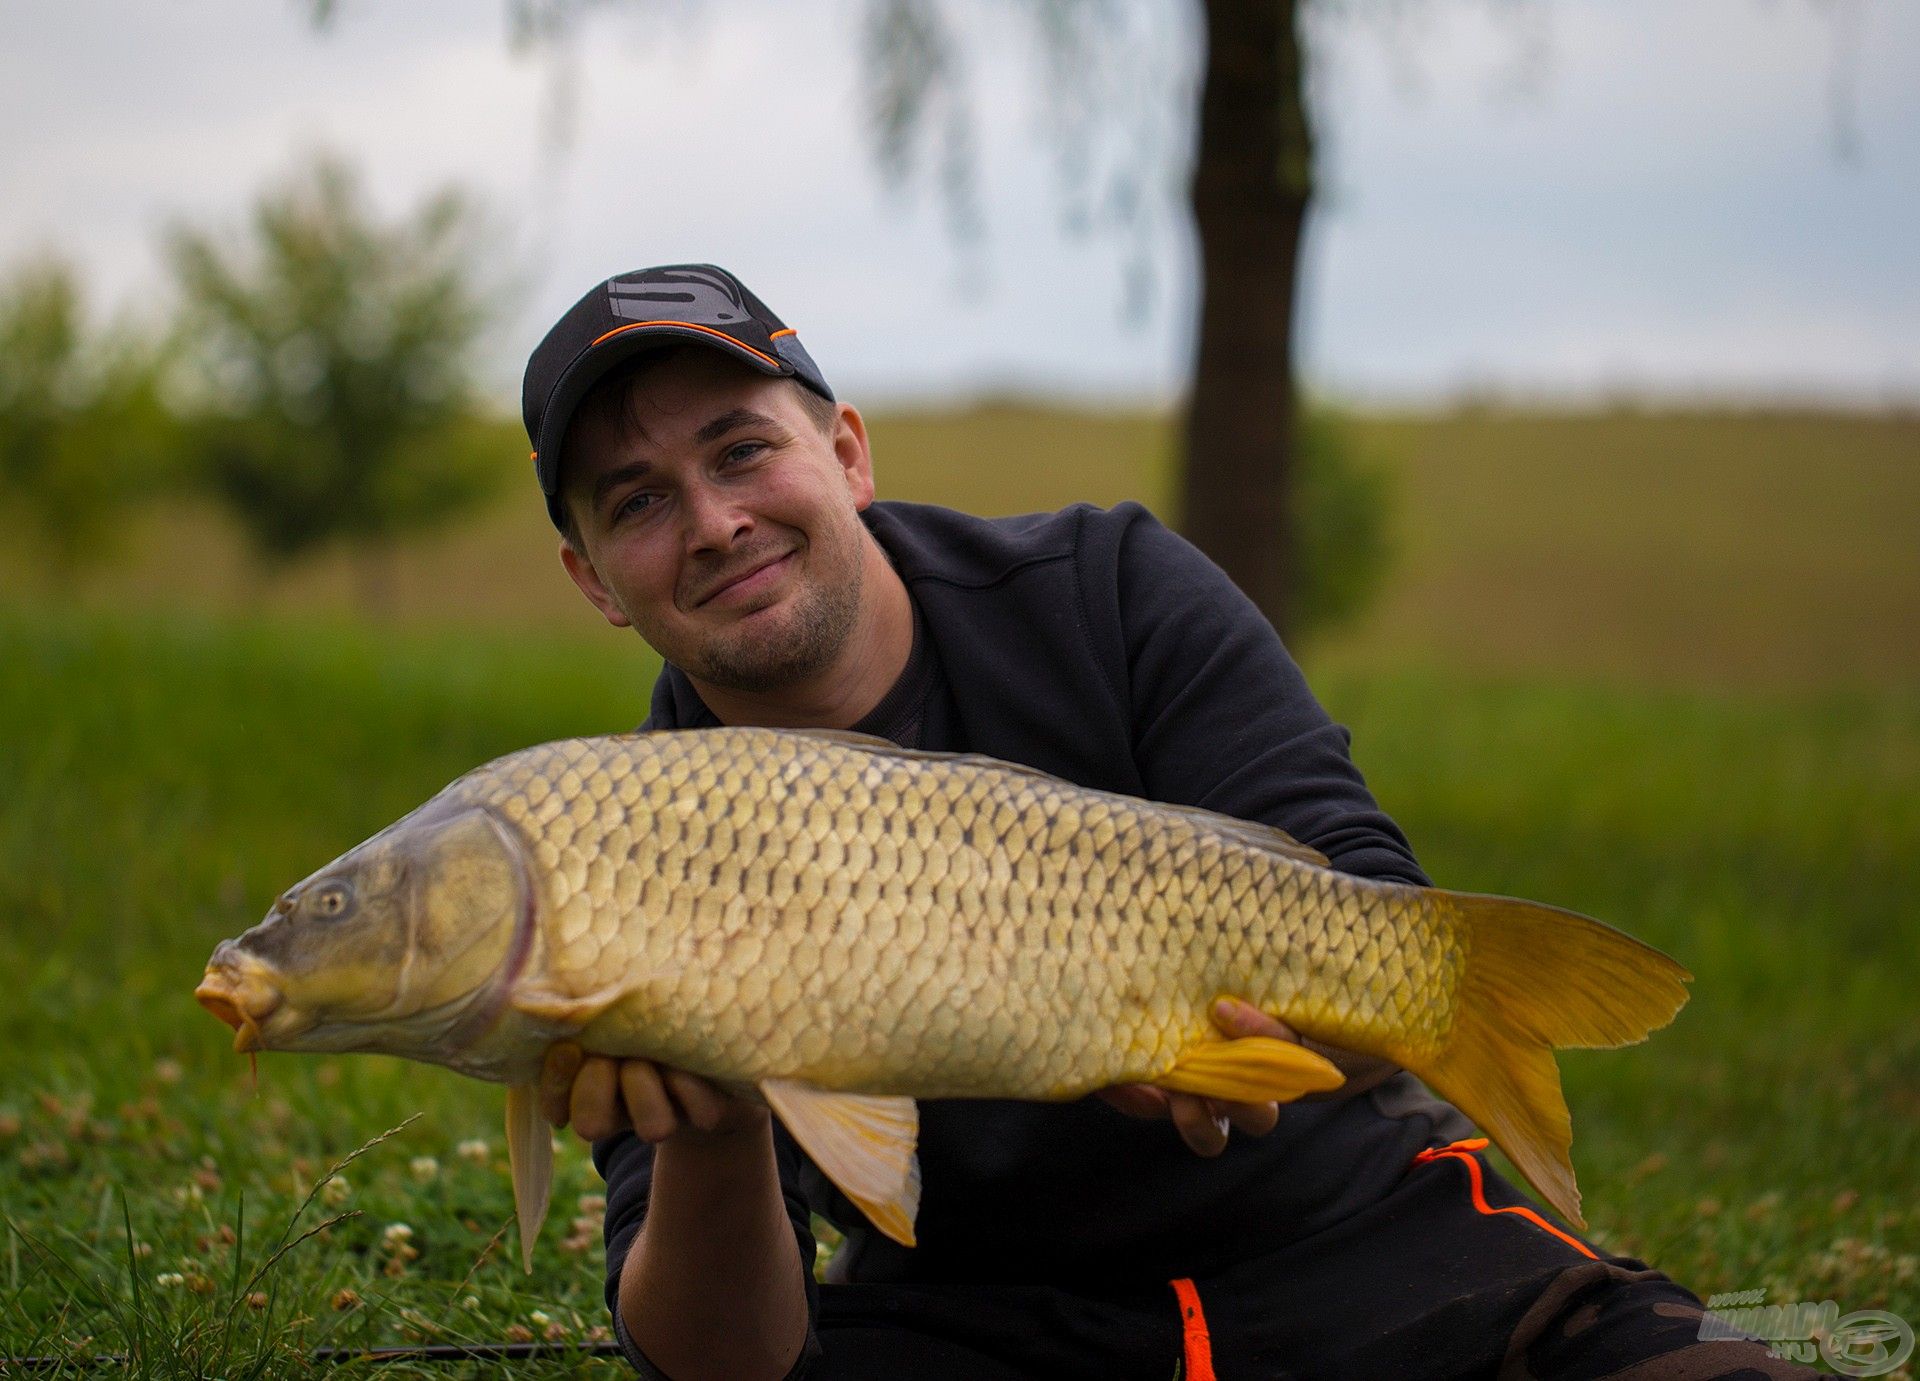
(742, 451)
(633, 503)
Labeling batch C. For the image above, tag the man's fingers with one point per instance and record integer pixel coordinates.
(1253, 1119)
(595, 1102)
(555, 1084)
(648, 1108)
(1137, 1100)
(703, 1104)
(1236, 1019)
(1204, 1130)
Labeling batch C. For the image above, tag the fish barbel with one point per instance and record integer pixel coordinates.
(844, 926)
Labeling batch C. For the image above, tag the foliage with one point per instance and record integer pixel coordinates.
(331, 359)
(82, 434)
(1343, 511)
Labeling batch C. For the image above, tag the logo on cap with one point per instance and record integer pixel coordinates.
(701, 298)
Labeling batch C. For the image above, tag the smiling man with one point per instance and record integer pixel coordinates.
(714, 496)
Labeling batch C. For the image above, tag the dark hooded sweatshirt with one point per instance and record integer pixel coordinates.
(1099, 646)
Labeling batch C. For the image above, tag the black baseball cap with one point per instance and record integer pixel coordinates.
(639, 311)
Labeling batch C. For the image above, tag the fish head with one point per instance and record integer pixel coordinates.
(406, 945)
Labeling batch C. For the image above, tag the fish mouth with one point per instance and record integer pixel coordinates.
(241, 1002)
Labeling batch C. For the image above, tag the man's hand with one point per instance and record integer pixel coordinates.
(601, 1096)
(1203, 1123)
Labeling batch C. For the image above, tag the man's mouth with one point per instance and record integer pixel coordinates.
(747, 582)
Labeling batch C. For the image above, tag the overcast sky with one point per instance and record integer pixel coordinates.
(1569, 196)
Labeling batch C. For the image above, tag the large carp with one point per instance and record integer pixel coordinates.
(845, 926)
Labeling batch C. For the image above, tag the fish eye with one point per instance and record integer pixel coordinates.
(331, 900)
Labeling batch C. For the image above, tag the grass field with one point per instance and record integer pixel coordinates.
(166, 773)
(1679, 549)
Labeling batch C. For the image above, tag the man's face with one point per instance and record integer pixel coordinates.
(719, 521)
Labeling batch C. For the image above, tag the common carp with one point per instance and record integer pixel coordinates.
(844, 926)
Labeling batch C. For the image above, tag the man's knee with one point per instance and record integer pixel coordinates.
(1608, 1319)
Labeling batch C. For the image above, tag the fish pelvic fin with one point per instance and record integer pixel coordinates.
(865, 1143)
(1252, 1069)
(1537, 979)
(530, 1153)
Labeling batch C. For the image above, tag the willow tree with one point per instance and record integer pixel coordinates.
(1248, 193)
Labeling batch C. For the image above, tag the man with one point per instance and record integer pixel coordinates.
(713, 496)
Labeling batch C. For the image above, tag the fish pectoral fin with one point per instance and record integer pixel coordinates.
(1253, 1069)
(564, 1009)
(864, 1143)
(530, 1153)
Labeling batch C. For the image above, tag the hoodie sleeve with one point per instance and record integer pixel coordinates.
(625, 1162)
(1221, 715)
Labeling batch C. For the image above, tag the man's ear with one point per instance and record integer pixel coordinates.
(850, 447)
(588, 579)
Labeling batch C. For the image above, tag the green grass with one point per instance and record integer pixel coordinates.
(164, 781)
(164, 777)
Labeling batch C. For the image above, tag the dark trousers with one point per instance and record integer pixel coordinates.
(1454, 1274)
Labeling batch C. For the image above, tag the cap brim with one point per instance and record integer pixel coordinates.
(613, 349)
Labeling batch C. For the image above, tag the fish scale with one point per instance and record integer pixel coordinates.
(736, 821)
(845, 926)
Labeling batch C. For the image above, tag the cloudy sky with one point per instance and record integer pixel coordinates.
(1560, 196)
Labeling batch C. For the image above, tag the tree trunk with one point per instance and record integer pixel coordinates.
(1252, 181)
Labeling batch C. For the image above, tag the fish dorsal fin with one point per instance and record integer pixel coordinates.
(1252, 1069)
(1250, 833)
(886, 747)
(530, 1153)
(847, 738)
(863, 1143)
(1253, 834)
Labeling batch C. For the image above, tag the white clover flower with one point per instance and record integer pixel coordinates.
(425, 1169)
(475, 1150)
(170, 1280)
(539, 1318)
(396, 1232)
(335, 1190)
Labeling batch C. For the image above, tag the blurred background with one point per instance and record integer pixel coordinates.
(1558, 395)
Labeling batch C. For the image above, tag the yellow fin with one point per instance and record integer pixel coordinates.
(1537, 978)
(863, 1143)
(530, 1153)
(1253, 1069)
(573, 1011)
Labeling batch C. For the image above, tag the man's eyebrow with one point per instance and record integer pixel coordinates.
(731, 420)
(633, 470)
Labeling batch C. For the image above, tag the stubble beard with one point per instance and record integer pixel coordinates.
(816, 629)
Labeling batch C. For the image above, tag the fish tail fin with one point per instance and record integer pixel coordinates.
(1539, 978)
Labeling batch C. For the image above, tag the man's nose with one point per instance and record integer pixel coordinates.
(714, 521)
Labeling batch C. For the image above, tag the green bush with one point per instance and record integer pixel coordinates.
(331, 356)
(1342, 508)
(82, 434)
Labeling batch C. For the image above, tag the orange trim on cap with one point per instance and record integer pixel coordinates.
(1462, 1151)
(1196, 1342)
(689, 326)
(783, 331)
